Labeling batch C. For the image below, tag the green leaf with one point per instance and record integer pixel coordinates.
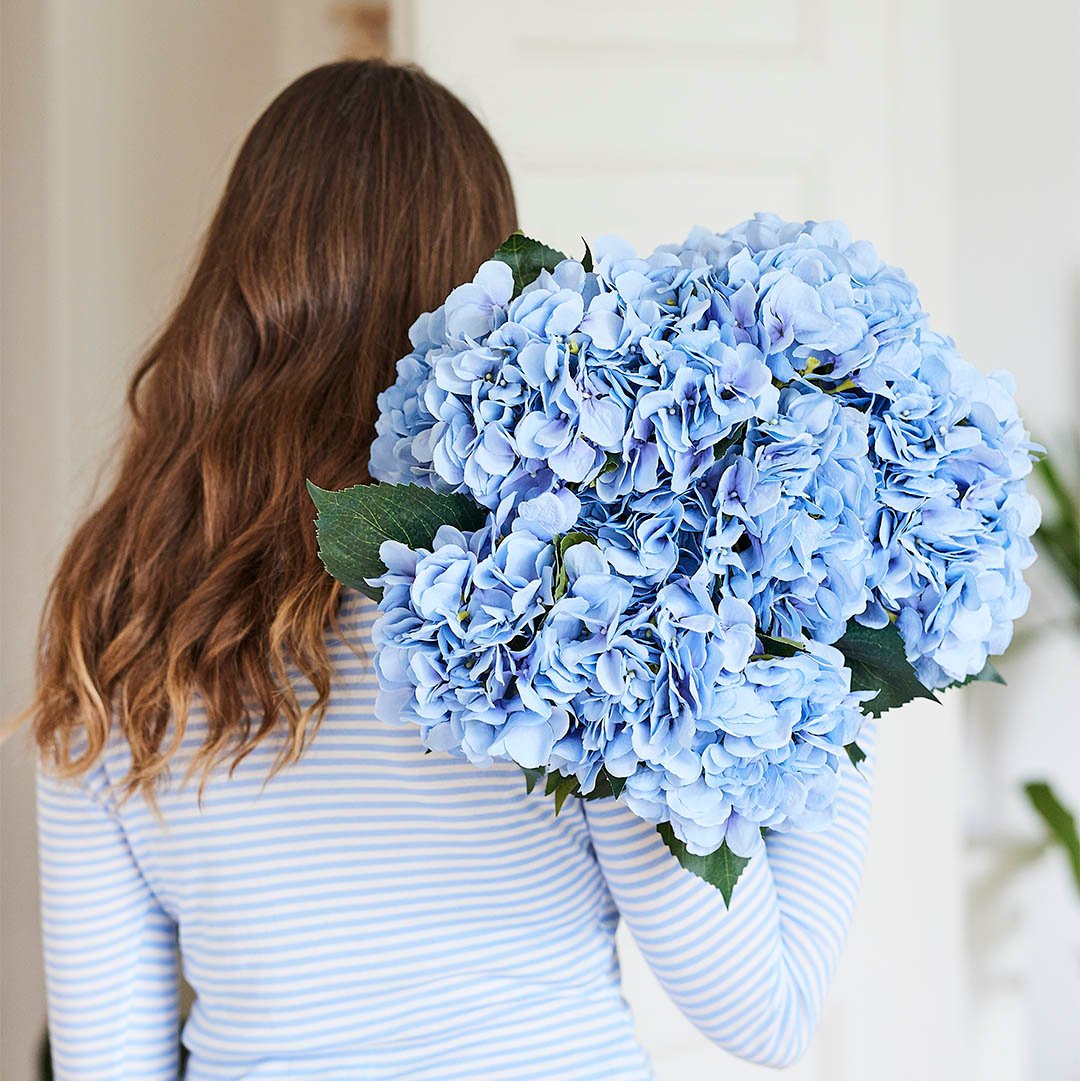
(612, 461)
(526, 258)
(352, 523)
(616, 784)
(987, 674)
(856, 754)
(607, 786)
(781, 647)
(586, 259)
(561, 787)
(562, 545)
(720, 869)
(532, 778)
(1059, 820)
(551, 782)
(877, 662)
(1059, 534)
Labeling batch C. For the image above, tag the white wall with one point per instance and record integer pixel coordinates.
(1016, 229)
(614, 118)
(22, 578)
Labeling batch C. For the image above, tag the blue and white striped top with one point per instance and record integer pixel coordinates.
(376, 913)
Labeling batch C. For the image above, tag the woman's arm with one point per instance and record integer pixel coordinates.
(110, 950)
(752, 978)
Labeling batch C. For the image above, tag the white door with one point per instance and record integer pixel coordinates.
(643, 119)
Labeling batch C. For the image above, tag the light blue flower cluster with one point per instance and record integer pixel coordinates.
(792, 503)
(951, 520)
(811, 299)
(450, 646)
(698, 467)
(954, 517)
(492, 656)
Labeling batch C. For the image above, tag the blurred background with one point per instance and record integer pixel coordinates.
(944, 130)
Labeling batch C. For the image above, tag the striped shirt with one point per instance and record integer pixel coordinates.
(375, 913)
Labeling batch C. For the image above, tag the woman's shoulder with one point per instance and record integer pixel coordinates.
(355, 607)
(356, 616)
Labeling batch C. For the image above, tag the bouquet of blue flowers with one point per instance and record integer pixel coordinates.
(666, 529)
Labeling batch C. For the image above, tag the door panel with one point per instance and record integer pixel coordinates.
(625, 116)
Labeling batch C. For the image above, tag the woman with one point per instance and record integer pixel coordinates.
(214, 790)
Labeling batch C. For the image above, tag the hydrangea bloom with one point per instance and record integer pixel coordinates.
(697, 468)
(448, 656)
(769, 757)
(953, 516)
(950, 527)
(791, 508)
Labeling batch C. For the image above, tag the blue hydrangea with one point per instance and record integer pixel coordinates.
(509, 397)
(770, 755)
(791, 505)
(811, 299)
(448, 654)
(698, 467)
(953, 517)
(400, 453)
(666, 689)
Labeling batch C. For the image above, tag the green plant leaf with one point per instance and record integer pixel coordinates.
(1059, 821)
(1062, 494)
(987, 674)
(562, 545)
(526, 258)
(352, 523)
(532, 778)
(1058, 536)
(856, 754)
(551, 782)
(586, 259)
(877, 662)
(607, 786)
(781, 647)
(720, 869)
(561, 787)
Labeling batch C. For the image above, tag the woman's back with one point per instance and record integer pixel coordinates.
(371, 911)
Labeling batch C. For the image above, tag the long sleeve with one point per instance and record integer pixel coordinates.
(752, 978)
(110, 949)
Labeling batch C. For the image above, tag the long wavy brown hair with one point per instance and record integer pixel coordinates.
(362, 195)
